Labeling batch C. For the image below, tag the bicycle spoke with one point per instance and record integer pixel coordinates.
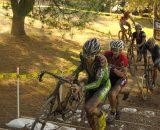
(73, 105)
(131, 59)
(46, 111)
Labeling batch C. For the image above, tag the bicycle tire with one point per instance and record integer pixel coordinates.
(74, 102)
(55, 105)
(150, 78)
(144, 87)
(46, 110)
(132, 66)
(72, 107)
(149, 73)
(132, 63)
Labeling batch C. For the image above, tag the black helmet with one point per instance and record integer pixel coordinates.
(138, 26)
(91, 47)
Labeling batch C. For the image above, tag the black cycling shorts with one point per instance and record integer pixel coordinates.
(117, 81)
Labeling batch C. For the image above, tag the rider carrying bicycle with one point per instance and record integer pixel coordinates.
(154, 49)
(123, 21)
(118, 63)
(140, 37)
(98, 85)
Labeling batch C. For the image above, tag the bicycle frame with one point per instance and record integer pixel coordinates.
(61, 107)
(146, 79)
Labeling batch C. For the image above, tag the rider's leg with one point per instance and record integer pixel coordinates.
(91, 121)
(117, 88)
(145, 57)
(121, 24)
(117, 110)
(113, 100)
(154, 74)
(113, 103)
(117, 91)
(156, 67)
(92, 108)
(159, 67)
(128, 24)
(113, 97)
(89, 114)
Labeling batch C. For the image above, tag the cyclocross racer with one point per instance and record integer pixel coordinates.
(118, 62)
(123, 21)
(154, 49)
(98, 85)
(140, 37)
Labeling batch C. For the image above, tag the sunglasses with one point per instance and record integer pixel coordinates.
(115, 50)
(90, 57)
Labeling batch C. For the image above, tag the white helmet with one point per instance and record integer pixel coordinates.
(117, 44)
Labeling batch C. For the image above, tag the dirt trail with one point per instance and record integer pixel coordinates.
(50, 48)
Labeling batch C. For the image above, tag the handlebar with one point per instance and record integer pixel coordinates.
(40, 76)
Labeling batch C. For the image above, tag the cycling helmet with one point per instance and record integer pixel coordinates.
(138, 26)
(117, 44)
(91, 47)
(151, 41)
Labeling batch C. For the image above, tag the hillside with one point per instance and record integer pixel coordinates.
(54, 49)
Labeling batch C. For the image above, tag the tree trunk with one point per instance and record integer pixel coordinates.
(18, 25)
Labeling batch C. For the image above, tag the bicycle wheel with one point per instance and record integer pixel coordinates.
(144, 87)
(50, 108)
(132, 62)
(149, 72)
(121, 37)
(150, 77)
(46, 111)
(74, 102)
(73, 106)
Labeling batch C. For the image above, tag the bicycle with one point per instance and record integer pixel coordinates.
(147, 78)
(55, 106)
(126, 37)
(132, 60)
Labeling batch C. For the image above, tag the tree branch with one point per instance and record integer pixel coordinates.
(25, 6)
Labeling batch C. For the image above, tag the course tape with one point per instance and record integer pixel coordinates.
(34, 74)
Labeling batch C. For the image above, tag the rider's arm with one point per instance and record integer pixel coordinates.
(77, 71)
(102, 72)
(133, 39)
(144, 48)
(157, 61)
(143, 39)
(132, 19)
(79, 68)
(156, 55)
(121, 73)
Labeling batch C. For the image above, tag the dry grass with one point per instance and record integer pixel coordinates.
(44, 49)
